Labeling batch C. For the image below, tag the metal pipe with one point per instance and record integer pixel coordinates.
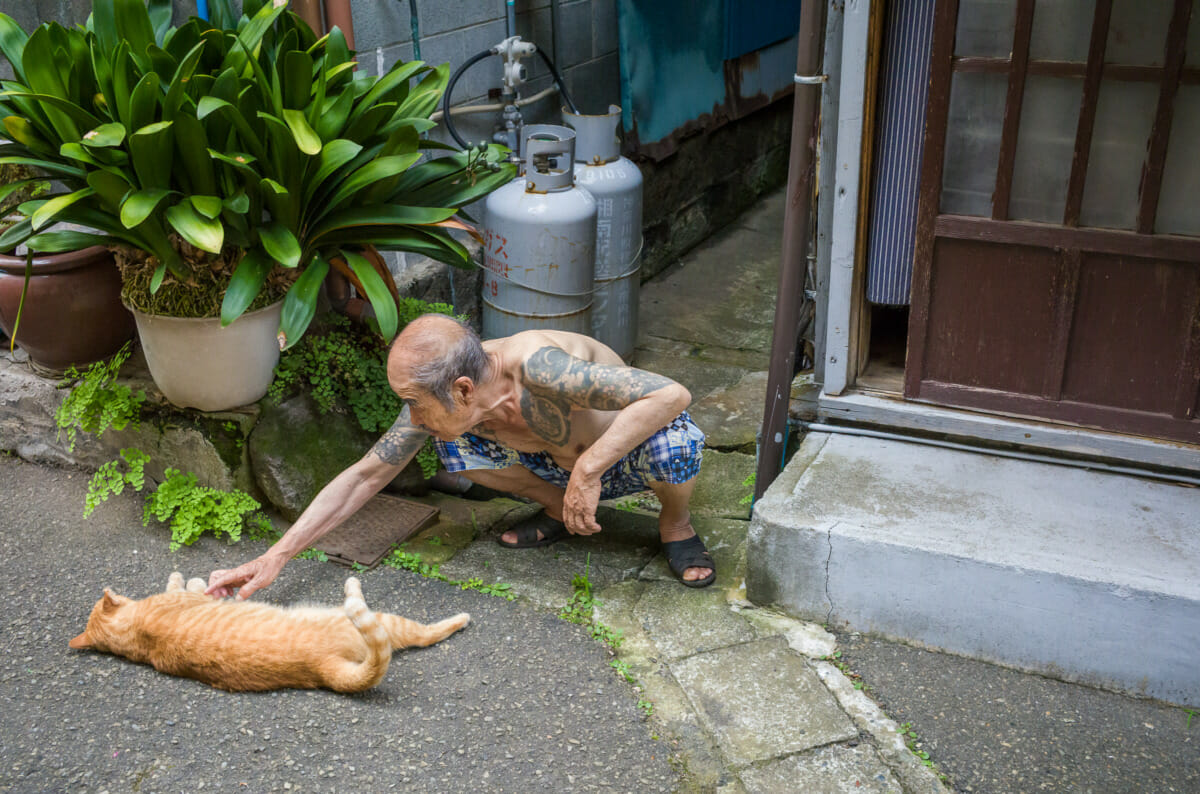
(337, 14)
(795, 237)
(818, 427)
(310, 12)
(510, 18)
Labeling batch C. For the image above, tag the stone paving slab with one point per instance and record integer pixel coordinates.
(761, 701)
(710, 623)
(731, 416)
(838, 769)
(722, 485)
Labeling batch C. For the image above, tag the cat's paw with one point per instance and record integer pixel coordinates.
(175, 582)
(354, 588)
(196, 585)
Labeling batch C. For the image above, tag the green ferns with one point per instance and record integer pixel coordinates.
(97, 402)
(188, 507)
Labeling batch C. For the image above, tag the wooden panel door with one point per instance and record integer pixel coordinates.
(1057, 265)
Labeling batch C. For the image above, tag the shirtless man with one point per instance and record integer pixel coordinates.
(552, 416)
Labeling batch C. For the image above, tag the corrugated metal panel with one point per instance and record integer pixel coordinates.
(904, 87)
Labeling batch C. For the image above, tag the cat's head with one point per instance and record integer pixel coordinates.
(108, 622)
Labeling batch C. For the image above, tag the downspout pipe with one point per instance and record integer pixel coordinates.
(310, 12)
(337, 14)
(786, 330)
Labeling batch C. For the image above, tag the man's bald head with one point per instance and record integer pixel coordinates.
(432, 352)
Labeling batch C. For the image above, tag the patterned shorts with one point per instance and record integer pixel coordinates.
(671, 455)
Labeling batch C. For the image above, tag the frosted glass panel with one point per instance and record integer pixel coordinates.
(1062, 30)
(1178, 208)
(973, 142)
(985, 27)
(1045, 147)
(1137, 32)
(1124, 115)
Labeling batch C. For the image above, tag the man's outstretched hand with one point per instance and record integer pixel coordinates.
(248, 578)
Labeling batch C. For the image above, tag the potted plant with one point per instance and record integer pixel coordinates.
(231, 167)
(62, 309)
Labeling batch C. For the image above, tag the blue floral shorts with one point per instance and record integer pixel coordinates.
(672, 455)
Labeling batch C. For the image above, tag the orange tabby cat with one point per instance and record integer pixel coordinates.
(242, 645)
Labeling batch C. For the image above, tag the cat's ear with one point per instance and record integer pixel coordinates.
(111, 600)
(82, 642)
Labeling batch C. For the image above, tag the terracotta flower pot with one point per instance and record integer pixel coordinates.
(73, 313)
(198, 364)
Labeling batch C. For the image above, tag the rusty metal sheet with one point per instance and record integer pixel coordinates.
(367, 536)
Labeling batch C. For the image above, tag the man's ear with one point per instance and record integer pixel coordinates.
(464, 388)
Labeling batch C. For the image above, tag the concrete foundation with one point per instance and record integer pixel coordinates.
(1084, 576)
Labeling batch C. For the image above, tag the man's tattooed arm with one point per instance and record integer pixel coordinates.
(555, 381)
(401, 441)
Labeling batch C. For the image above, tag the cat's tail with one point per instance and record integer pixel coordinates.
(357, 677)
(405, 633)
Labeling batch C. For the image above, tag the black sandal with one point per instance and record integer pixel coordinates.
(527, 533)
(690, 553)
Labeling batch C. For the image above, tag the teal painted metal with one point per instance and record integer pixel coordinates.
(753, 24)
(677, 75)
(671, 63)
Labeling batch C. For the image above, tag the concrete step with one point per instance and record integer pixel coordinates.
(1085, 576)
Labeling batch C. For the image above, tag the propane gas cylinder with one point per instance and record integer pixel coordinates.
(540, 242)
(616, 184)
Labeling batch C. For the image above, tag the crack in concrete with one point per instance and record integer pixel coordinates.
(828, 559)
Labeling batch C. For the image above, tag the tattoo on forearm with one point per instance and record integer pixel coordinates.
(400, 442)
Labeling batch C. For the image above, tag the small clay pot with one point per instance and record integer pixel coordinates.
(72, 315)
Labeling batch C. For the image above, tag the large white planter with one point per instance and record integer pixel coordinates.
(198, 364)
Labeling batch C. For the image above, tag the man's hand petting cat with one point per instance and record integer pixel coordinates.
(248, 578)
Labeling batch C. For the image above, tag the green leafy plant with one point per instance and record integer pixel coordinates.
(581, 610)
(407, 561)
(234, 160)
(111, 478)
(346, 363)
(748, 483)
(96, 401)
(190, 508)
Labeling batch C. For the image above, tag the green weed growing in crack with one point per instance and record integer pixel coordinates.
(748, 483)
(581, 610)
(1190, 714)
(581, 607)
(914, 744)
(407, 561)
(835, 659)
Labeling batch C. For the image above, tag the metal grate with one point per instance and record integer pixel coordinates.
(367, 536)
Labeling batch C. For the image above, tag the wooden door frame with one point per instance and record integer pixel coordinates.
(1069, 239)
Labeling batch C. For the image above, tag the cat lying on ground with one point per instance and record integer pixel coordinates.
(248, 646)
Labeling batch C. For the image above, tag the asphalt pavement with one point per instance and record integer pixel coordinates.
(992, 729)
(519, 701)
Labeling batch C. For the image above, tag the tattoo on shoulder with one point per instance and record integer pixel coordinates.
(556, 375)
(401, 441)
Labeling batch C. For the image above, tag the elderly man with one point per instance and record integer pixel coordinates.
(552, 416)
